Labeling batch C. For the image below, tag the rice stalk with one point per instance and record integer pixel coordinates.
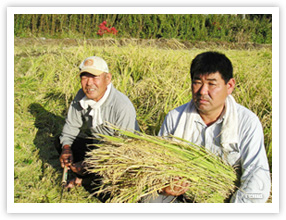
(136, 166)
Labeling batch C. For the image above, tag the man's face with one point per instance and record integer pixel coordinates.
(209, 93)
(93, 86)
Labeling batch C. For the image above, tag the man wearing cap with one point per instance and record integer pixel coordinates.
(96, 105)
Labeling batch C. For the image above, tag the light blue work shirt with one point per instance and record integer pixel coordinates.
(249, 155)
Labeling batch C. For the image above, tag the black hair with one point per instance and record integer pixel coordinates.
(211, 62)
(87, 73)
(82, 74)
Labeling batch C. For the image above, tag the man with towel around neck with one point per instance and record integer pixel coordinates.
(96, 105)
(212, 119)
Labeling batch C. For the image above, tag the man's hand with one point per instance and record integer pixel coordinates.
(78, 168)
(66, 157)
(178, 188)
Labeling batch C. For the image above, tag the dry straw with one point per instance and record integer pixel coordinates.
(136, 166)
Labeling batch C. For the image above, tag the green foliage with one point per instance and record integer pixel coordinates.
(229, 28)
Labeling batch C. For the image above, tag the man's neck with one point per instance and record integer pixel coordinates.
(212, 117)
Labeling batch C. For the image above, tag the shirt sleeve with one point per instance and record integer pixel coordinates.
(72, 125)
(255, 180)
(126, 118)
(167, 126)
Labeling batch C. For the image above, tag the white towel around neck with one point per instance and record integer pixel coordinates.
(95, 107)
(229, 132)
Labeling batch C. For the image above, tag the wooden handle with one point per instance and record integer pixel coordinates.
(65, 176)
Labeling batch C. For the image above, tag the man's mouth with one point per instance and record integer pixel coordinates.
(203, 100)
(90, 89)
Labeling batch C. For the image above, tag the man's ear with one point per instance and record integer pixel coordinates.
(230, 86)
(108, 77)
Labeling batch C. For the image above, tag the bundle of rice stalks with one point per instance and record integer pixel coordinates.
(136, 166)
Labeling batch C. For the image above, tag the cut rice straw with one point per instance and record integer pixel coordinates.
(138, 166)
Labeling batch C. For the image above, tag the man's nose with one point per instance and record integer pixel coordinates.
(204, 89)
(89, 81)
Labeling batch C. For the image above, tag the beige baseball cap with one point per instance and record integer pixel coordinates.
(93, 65)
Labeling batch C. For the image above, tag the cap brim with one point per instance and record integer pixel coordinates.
(91, 71)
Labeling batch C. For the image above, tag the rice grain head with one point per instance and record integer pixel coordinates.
(136, 166)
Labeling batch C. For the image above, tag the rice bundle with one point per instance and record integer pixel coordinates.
(136, 166)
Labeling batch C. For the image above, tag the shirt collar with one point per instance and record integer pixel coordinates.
(198, 118)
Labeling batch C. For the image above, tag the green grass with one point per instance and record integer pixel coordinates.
(155, 78)
(203, 27)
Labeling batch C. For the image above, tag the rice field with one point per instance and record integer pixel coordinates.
(153, 74)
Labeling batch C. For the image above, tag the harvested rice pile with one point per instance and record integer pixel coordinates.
(138, 166)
